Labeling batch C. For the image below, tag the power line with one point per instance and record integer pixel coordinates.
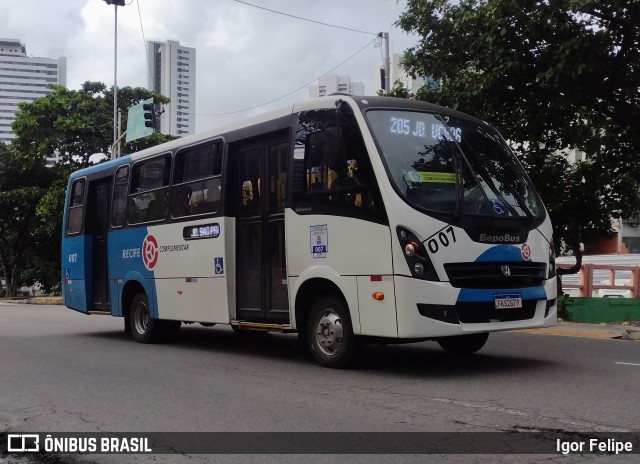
(293, 91)
(144, 41)
(305, 19)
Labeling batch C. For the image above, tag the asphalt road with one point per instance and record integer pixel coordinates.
(62, 371)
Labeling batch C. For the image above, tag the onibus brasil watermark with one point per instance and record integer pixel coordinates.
(33, 443)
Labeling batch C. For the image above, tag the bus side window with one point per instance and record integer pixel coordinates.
(334, 164)
(149, 190)
(196, 180)
(76, 207)
(120, 192)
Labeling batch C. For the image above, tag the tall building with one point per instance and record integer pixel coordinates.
(171, 71)
(332, 83)
(23, 79)
(397, 74)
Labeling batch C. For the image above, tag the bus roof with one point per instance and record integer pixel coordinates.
(363, 102)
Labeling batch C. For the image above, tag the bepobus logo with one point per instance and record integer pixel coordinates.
(506, 238)
(150, 252)
(23, 442)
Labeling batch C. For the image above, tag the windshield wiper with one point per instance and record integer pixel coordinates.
(519, 198)
(493, 172)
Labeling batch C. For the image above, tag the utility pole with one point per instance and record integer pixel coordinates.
(116, 4)
(387, 63)
(119, 133)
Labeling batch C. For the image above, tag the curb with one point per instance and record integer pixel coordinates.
(573, 333)
(46, 300)
(578, 329)
(38, 300)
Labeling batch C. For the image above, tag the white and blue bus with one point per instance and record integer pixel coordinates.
(341, 218)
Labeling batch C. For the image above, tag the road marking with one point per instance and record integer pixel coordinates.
(626, 364)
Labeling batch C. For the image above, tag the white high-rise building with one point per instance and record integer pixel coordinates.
(397, 74)
(332, 83)
(23, 79)
(171, 71)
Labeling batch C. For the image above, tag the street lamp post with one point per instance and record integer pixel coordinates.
(116, 4)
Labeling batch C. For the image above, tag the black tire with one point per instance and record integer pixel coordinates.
(144, 329)
(463, 344)
(330, 333)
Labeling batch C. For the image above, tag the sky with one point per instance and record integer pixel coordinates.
(245, 56)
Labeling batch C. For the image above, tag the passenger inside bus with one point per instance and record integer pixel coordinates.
(181, 201)
(346, 181)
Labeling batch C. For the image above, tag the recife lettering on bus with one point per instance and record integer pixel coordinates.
(129, 253)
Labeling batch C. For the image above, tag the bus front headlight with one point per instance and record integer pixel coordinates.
(417, 258)
(410, 250)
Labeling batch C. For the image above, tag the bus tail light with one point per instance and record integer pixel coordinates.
(416, 255)
(378, 296)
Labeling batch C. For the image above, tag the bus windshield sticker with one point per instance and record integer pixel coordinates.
(201, 231)
(319, 241)
(423, 176)
(497, 206)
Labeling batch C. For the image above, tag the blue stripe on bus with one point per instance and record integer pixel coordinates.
(469, 295)
(501, 253)
(100, 167)
(126, 264)
(76, 271)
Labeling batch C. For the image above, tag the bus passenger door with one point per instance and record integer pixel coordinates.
(262, 291)
(97, 225)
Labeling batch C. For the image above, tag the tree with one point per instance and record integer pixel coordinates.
(22, 186)
(398, 90)
(553, 76)
(77, 123)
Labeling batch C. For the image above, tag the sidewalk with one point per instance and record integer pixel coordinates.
(40, 300)
(622, 331)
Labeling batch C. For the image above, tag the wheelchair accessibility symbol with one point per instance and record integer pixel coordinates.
(219, 265)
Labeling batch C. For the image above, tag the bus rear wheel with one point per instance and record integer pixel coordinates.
(463, 344)
(329, 333)
(145, 329)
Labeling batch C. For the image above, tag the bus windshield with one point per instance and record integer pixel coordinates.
(452, 165)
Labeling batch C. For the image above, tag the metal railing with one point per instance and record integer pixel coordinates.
(586, 285)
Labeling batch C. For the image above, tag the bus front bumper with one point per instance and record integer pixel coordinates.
(436, 309)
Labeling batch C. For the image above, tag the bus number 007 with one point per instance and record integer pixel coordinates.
(441, 238)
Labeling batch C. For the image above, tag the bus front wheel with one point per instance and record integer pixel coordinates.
(329, 333)
(463, 344)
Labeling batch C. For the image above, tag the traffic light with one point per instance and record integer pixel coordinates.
(149, 114)
(115, 2)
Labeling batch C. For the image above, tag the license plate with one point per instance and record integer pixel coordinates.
(511, 301)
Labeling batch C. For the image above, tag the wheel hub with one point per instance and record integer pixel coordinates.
(329, 333)
(141, 320)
